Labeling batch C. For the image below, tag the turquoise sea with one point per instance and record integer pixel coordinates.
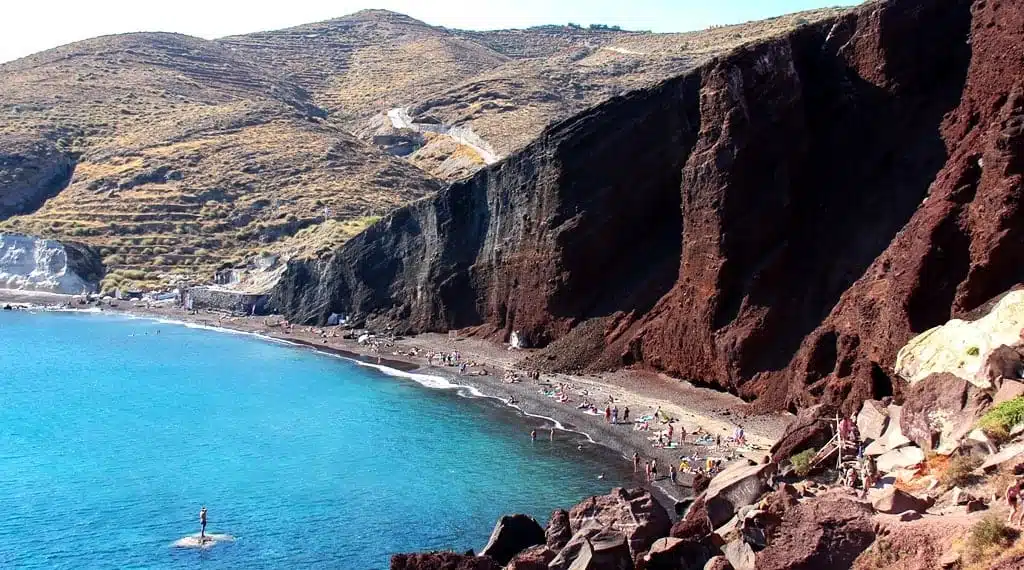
(115, 431)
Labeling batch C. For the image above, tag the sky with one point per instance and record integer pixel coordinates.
(35, 25)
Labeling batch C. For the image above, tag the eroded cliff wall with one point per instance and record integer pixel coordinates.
(778, 222)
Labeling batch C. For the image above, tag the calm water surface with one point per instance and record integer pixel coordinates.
(112, 436)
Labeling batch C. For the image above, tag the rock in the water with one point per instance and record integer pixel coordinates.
(211, 540)
(558, 531)
(740, 555)
(533, 558)
(442, 561)
(939, 410)
(1009, 390)
(894, 501)
(893, 437)
(511, 535)
(872, 420)
(826, 532)
(900, 459)
(633, 512)
(738, 485)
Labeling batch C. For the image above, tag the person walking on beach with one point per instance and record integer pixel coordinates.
(636, 462)
(202, 524)
(647, 471)
(672, 473)
(625, 415)
(654, 470)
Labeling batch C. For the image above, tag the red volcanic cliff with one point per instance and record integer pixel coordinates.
(778, 222)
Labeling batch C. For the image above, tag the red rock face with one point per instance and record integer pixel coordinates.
(777, 223)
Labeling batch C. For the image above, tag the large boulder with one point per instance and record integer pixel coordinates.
(675, 554)
(901, 458)
(893, 501)
(594, 548)
(827, 532)
(740, 555)
(1009, 390)
(533, 558)
(872, 420)
(1004, 363)
(558, 531)
(695, 524)
(893, 437)
(964, 349)
(633, 512)
(511, 535)
(940, 409)
(1010, 453)
(810, 428)
(442, 561)
(718, 563)
(739, 484)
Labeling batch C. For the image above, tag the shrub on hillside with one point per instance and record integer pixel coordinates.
(802, 461)
(988, 535)
(998, 421)
(958, 472)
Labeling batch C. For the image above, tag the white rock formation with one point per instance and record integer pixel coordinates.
(962, 348)
(34, 264)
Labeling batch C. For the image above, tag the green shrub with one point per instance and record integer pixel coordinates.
(973, 351)
(998, 421)
(802, 461)
(988, 534)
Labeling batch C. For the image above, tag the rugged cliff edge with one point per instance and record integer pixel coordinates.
(33, 264)
(778, 222)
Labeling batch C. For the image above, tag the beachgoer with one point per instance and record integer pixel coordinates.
(718, 440)
(1013, 493)
(615, 414)
(654, 470)
(670, 428)
(647, 471)
(672, 473)
(682, 434)
(552, 435)
(202, 524)
(625, 414)
(533, 435)
(636, 462)
(607, 414)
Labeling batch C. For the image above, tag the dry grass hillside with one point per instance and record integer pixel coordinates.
(504, 85)
(186, 157)
(178, 156)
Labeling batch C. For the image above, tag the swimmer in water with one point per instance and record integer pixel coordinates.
(533, 435)
(202, 524)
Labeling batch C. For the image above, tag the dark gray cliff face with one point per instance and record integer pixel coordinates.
(583, 223)
(31, 172)
(778, 222)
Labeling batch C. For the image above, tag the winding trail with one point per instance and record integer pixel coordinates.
(400, 119)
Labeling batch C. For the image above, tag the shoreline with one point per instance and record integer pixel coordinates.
(643, 392)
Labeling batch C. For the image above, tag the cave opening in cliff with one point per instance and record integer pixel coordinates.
(881, 383)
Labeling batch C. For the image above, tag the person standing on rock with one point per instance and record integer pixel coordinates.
(1013, 500)
(202, 524)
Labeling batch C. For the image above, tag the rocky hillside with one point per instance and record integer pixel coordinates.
(173, 155)
(501, 86)
(176, 156)
(777, 222)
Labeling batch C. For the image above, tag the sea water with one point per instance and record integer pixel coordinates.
(115, 431)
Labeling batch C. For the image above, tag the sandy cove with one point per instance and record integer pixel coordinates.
(690, 407)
